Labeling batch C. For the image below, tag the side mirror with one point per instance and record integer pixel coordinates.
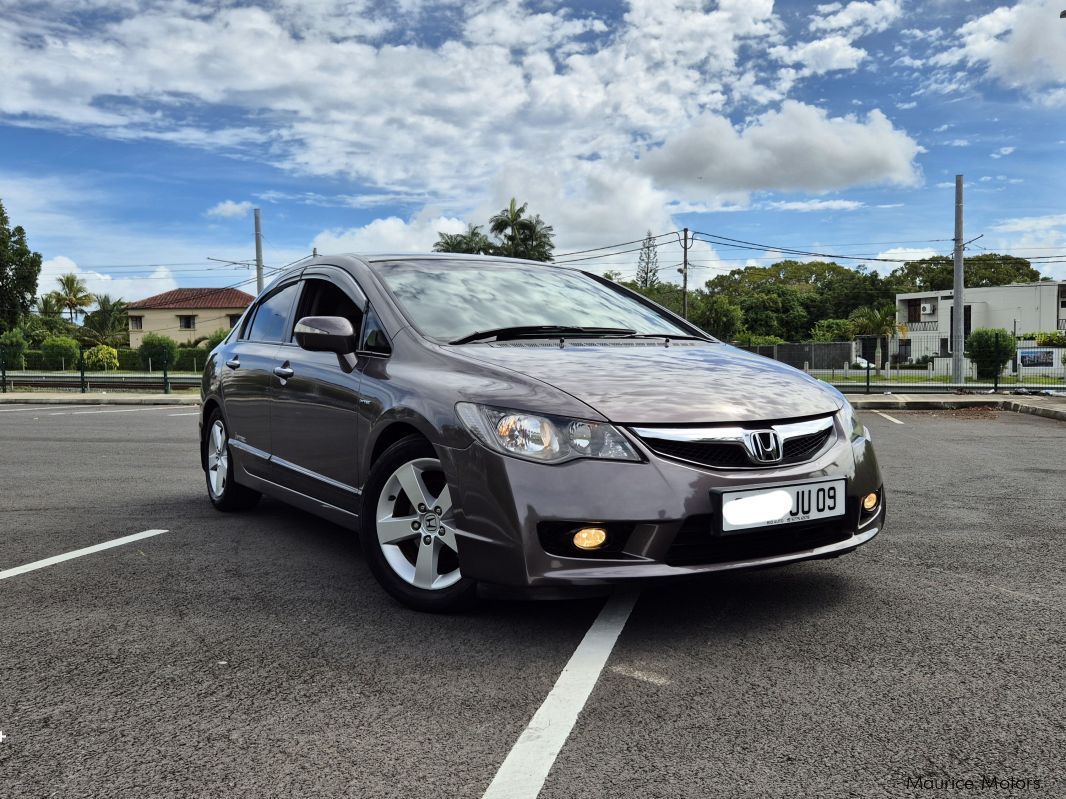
(326, 334)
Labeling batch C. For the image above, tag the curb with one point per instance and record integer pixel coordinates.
(1016, 406)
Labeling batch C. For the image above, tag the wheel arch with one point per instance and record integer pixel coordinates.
(209, 406)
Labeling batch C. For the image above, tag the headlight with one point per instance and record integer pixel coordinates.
(851, 423)
(549, 439)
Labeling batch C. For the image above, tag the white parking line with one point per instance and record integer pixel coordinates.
(890, 418)
(527, 765)
(77, 553)
(194, 413)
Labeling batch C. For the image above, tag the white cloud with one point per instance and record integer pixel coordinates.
(390, 234)
(1022, 46)
(820, 56)
(606, 126)
(1002, 151)
(158, 280)
(817, 205)
(228, 209)
(906, 106)
(906, 254)
(1029, 224)
(797, 148)
(864, 17)
(959, 143)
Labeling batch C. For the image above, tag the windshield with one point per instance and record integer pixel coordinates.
(448, 300)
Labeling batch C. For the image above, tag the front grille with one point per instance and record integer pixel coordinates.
(732, 455)
(695, 544)
(802, 448)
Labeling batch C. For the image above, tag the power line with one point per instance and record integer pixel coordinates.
(612, 246)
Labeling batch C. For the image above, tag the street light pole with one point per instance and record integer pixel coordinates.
(958, 307)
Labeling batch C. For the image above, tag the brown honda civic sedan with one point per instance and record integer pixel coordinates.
(509, 424)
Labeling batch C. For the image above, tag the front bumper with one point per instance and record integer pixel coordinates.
(664, 510)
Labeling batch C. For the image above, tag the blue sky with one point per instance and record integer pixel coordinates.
(135, 137)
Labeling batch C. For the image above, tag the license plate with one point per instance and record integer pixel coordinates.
(782, 505)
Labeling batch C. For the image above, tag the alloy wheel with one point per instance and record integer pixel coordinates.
(217, 459)
(414, 526)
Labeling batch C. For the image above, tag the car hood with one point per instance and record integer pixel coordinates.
(645, 382)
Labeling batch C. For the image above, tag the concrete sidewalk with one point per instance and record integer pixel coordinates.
(97, 398)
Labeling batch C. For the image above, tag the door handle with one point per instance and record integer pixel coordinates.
(234, 362)
(283, 372)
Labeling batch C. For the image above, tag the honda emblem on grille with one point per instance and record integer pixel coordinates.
(763, 446)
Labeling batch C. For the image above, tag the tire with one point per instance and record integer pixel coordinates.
(225, 493)
(413, 553)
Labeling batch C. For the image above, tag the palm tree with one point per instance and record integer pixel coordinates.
(108, 323)
(521, 236)
(871, 321)
(506, 225)
(536, 239)
(50, 306)
(473, 242)
(74, 294)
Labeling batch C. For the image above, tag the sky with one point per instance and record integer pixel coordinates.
(137, 137)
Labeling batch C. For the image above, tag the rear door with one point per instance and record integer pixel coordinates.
(315, 406)
(248, 378)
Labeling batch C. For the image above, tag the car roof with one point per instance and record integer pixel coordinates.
(443, 256)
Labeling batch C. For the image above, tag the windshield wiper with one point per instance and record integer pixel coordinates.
(669, 336)
(523, 331)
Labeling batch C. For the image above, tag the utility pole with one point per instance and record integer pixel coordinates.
(684, 276)
(958, 315)
(258, 255)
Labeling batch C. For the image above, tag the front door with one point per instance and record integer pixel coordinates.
(314, 413)
(247, 379)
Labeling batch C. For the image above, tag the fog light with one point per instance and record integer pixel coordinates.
(869, 502)
(590, 538)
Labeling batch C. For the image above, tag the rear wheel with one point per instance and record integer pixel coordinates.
(408, 531)
(223, 491)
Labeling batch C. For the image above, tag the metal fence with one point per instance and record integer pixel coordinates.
(923, 362)
(85, 380)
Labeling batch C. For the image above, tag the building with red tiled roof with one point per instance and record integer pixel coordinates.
(187, 314)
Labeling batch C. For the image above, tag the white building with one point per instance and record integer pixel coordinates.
(1027, 308)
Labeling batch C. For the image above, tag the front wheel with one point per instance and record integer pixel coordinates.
(225, 493)
(408, 532)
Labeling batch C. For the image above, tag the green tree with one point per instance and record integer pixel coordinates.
(648, 263)
(60, 352)
(833, 330)
(13, 349)
(216, 338)
(108, 324)
(719, 316)
(19, 269)
(990, 349)
(775, 310)
(879, 322)
(73, 294)
(472, 242)
(155, 350)
(521, 236)
(50, 305)
(938, 272)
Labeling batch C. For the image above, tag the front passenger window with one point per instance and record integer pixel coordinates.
(272, 317)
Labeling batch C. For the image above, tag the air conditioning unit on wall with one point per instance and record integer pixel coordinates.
(928, 307)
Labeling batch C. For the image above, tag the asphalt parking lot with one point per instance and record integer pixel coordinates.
(254, 655)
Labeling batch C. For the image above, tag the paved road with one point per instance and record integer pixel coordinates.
(254, 654)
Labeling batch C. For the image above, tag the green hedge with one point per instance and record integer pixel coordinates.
(60, 352)
(34, 360)
(128, 360)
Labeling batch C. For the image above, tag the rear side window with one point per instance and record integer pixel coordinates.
(273, 316)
